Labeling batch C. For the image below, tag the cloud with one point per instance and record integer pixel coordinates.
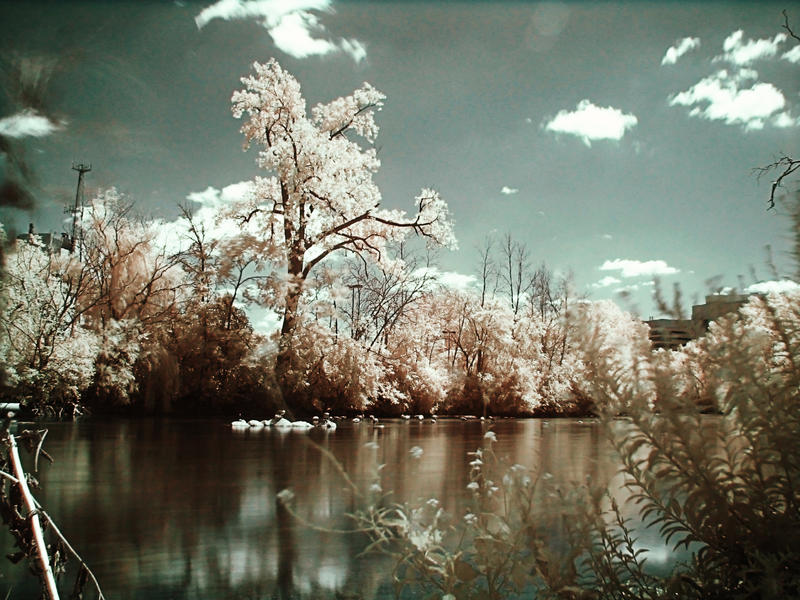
(608, 236)
(451, 279)
(590, 122)
(457, 281)
(212, 200)
(28, 123)
(682, 47)
(793, 55)
(740, 52)
(294, 29)
(727, 99)
(508, 191)
(606, 281)
(779, 287)
(638, 268)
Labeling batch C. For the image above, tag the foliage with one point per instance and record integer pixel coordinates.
(49, 355)
(724, 488)
(320, 198)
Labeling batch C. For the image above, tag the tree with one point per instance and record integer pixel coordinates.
(135, 287)
(48, 356)
(320, 197)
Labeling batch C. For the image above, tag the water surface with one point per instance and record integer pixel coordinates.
(187, 509)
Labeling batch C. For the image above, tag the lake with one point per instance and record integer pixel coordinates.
(187, 509)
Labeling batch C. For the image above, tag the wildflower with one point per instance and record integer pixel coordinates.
(490, 435)
(415, 452)
(376, 488)
(286, 495)
(433, 502)
(476, 463)
(471, 519)
(473, 485)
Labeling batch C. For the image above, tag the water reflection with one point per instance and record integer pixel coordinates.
(187, 509)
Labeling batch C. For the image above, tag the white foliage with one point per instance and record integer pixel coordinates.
(320, 196)
(49, 355)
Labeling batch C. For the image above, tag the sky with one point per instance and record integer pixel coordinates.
(616, 140)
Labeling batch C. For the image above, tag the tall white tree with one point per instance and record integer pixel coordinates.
(319, 197)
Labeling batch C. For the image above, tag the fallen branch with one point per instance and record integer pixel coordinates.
(43, 558)
(31, 540)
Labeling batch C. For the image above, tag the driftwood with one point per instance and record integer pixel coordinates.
(23, 515)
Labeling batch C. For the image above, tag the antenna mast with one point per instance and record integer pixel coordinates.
(78, 208)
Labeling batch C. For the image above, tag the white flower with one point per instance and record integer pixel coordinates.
(470, 519)
(490, 435)
(375, 487)
(476, 463)
(415, 452)
(286, 495)
(473, 485)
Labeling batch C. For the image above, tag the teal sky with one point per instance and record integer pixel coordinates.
(570, 125)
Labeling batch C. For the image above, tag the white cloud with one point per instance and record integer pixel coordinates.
(294, 29)
(725, 98)
(682, 47)
(237, 191)
(606, 281)
(608, 236)
(793, 55)
(740, 52)
(451, 279)
(266, 322)
(637, 268)
(28, 123)
(779, 287)
(212, 200)
(590, 122)
(508, 191)
(457, 281)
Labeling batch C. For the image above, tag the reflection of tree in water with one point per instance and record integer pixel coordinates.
(171, 509)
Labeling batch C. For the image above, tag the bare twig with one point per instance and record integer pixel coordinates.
(787, 165)
(72, 551)
(787, 27)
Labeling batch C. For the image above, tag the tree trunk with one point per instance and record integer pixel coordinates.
(283, 362)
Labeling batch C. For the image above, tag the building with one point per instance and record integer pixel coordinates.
(671, 333)
(52, 243)
(716, 306)
(674, 333)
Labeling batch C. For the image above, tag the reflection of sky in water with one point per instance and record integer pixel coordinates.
(158, 507)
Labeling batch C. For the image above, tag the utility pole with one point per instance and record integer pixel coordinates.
(78, 208)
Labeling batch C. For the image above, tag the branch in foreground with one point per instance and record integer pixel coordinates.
(20, 509)
(787, 164)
